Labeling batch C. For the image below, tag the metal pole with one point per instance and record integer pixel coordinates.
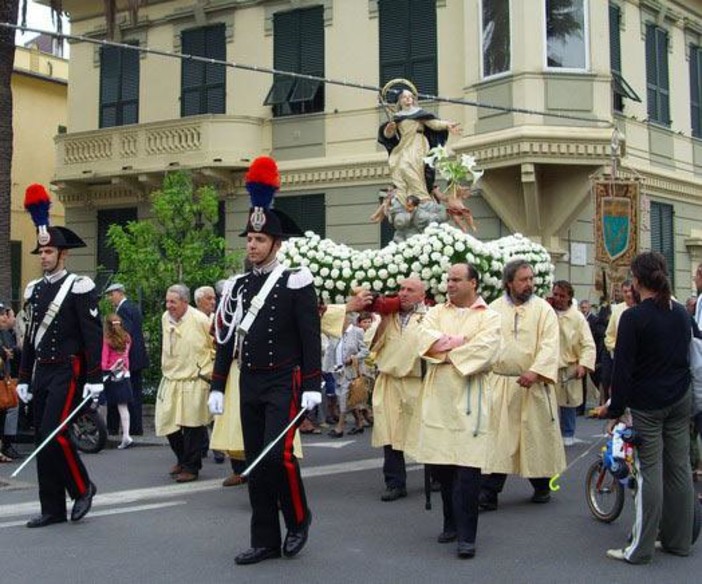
(268, 448)
(50, 436)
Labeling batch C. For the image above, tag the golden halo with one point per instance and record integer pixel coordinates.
(398, 81)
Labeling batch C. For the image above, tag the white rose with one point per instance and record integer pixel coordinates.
(377, 285)
(340, 285)
(324, 272)
(334, 273)
(329, 284)
(371, 273)
(426, 273)
(346, 273)
(318, 282)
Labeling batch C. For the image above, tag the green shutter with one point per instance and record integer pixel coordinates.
(394, 41)
(106, 256)
(615, 49)
(657, 88)
(215, 75)
(695, 90)
(663, 234)
(203, 85)
(308, 211)
(119, 86)
(651, 73)
(423, 65)
(109, 86)
(130, 86)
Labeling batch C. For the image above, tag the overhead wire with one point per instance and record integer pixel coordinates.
(295, 75)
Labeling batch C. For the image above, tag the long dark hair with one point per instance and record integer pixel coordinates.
(651, 270)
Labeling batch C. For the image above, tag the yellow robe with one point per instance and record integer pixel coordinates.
(525, 436)
(577, 347)
(451, 417)
(612, 326)
(333, 320)
(398, 382)
(182, 395)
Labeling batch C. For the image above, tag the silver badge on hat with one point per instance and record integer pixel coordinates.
(43, 237)
(258, 218)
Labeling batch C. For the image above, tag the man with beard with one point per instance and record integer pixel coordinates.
(398, 383)
(524, 435)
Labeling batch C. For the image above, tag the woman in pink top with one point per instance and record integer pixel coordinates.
(115, 366)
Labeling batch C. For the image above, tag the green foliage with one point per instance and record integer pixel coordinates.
(177, 244)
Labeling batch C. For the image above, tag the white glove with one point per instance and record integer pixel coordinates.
(216, 403)
(311, 399)
(23, 392)
(92, 389)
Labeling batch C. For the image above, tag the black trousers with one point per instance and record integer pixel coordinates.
(460, 488)
(394, 469)
(59, 468)
(494, 483)
(186, 444)
(269, 401)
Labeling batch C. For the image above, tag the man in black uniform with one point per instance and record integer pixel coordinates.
(63, 346)
(279, 360)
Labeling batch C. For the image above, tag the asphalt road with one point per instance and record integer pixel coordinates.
(145, 528)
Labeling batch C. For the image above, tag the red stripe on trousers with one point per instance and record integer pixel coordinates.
(290, 470)
(68, 452)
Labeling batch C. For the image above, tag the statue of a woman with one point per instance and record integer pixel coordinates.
(408, 137)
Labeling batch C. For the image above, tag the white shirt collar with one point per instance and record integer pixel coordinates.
(120, 303)
(55, 277)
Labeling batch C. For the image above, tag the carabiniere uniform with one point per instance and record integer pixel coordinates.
(279, 358)
(67, 356)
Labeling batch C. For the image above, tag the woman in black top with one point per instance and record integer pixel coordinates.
(651, 376)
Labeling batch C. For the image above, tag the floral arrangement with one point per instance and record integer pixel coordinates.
(338, 268)
(459, 171)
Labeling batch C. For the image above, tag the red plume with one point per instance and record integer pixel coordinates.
(264, 170)
(34, 194)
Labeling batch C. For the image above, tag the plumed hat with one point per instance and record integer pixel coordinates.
(37, 203)
(262, 182)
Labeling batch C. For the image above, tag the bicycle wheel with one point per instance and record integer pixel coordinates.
(88, 432)
(605, 494)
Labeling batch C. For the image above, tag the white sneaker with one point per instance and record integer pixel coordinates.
(617, 554)
(568, 441)
(126, 443)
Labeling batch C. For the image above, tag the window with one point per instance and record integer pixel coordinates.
(106, 255)
(620, 88)
(657, 89)
(308, 211)
(663, 235)
(696, 90)
(496, 37)
(203, 85)
(407, 31)
(298, 47)
(119, 86)
(566, 34)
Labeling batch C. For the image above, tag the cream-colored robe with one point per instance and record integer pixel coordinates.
(577, 347)
(525, 436)
(612, 326)
(451, 417)
(399, 379)
(182, 395)
(332, 322)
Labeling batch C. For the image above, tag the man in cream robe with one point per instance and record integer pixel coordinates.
(577, 357)
(459, 341)
(186, 364)
(398, 383)
(525, 436)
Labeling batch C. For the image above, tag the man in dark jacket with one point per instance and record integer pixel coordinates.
(130, 314)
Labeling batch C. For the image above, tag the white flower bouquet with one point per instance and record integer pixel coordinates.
(338, 268)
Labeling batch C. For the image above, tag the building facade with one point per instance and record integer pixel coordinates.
(592, 65)
(40, 93)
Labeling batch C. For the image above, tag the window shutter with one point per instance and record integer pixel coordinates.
(286, 57)
(615, 49)
(215, 75)
(695, 79)
(651, 73)
(663, 88)
(663, 234)
(109, 86)
(423, 66)
(192, 72)
(130, 86)
(106, 256)
(308, 211)
(311, 57)
(394, 32)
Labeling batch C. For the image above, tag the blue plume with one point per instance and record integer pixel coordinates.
(261, 194)
(40, 213)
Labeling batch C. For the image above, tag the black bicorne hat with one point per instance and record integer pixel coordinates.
(37, 202)
(60, 237)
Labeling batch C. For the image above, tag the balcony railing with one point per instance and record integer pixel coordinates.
(190, 142)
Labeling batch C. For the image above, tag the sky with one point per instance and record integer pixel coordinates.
(38, 16)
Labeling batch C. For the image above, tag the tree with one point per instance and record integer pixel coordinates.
(8, 13)
(177, 244)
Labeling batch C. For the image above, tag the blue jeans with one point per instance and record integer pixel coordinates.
(568, 416)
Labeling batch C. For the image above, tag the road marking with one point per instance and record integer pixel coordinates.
(179, 490)
(105, 512)
(335, 444)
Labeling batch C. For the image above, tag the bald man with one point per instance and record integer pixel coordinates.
(398, 383)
